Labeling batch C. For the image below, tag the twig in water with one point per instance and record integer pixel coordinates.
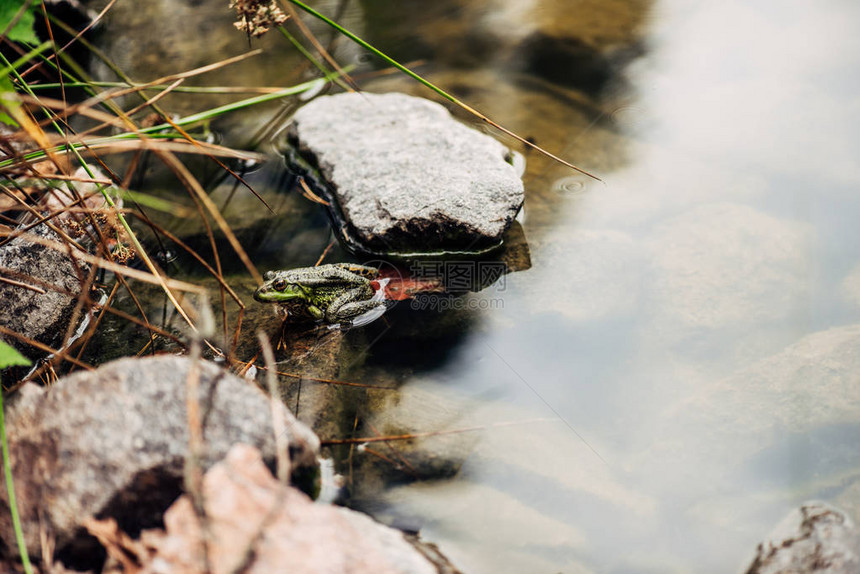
(325, 252)
(281, 446)
(310, 195)
(411, 436)
(394, 450)
(43, 347)
(332, 382)
(109, 265)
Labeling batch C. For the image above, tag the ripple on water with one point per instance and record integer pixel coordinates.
(362, 58)
(629, 118)
(571, 185)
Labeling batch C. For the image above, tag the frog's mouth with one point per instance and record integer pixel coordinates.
(263, 294)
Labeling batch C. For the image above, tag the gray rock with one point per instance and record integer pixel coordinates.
(57, 270)
(810, 384)
(113, 443)
(814, 538)
(405, 176)
(424, 458)
(43, 317)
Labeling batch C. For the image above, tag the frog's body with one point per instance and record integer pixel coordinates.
(335, 293)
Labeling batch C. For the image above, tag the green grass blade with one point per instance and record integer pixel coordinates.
(432, 86)
(9, 357)
(17, 23)
(380, 54)
(177, 89)
(26, 57)
(182, 122)
(310, 57)
(10, 487)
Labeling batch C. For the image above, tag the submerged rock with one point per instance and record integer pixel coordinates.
(709, 279)
(809, 385)
(802, 403)
(814, 538)
(113, 444)
(403, 177)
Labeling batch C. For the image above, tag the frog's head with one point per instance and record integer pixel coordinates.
(277, 288)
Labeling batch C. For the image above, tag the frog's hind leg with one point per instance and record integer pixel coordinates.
(351, 304)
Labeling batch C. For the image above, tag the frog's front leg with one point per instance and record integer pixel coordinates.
(351, 304)
(315, 312)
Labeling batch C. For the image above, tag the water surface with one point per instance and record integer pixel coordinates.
(688, 334)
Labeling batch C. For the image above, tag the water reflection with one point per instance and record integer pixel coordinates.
(677, 319)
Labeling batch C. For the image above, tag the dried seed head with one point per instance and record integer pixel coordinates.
(257, 16)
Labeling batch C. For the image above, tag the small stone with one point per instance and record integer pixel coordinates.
(405, 176)
(112, 443)
(709, 278)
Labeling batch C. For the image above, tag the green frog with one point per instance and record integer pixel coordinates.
(334, 293)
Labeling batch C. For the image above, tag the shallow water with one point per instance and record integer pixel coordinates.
(683, 353)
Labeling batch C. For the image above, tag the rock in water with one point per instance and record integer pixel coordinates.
(405, 177)
(814, 538)
(112, 443)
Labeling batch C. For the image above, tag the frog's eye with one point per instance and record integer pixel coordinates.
(279, 284)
